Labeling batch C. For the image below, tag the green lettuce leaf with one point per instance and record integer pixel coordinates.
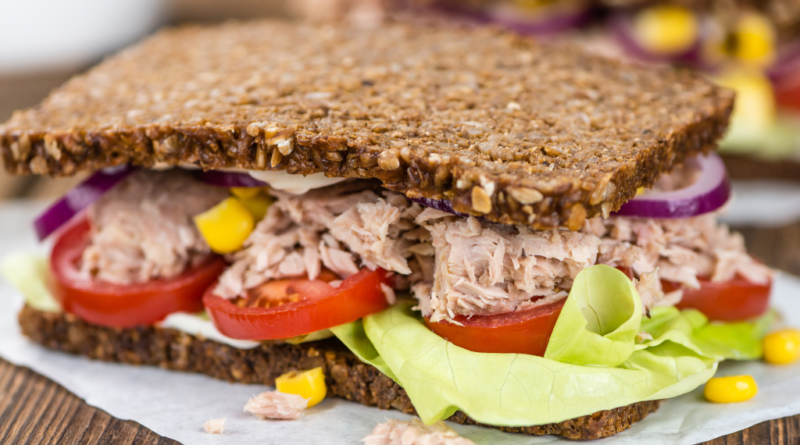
(30, 274)
(736, 341)
(592, 363)
(354, 337)
(517, 389)
(599, 322)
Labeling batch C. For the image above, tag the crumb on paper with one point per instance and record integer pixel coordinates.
(397, 432)
(214, 426)
(277, 405)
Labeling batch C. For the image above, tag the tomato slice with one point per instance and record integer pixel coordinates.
(521, 332)
(733, 300)
(787, 94)
(109, 304)
(307, 306)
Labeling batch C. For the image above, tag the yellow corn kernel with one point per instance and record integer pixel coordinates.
(533, 5)
(666, 29)
(225, 226)
(258, 205)
(307, 384)
(731, 389)
(245, 192)
(754, 109)
(782, 347)
(754, 40)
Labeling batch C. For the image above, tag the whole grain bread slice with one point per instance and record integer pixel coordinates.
(346, 376)
(506, 128)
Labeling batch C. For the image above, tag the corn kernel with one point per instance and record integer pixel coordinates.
(782, 347)
(732, 389)
(245, 192)
(258, 205)
(754, 110)
(225, 226)
(666, 29)
(307, 384)
(755, 40)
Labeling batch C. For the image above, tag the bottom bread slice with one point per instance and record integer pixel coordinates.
(346, 376)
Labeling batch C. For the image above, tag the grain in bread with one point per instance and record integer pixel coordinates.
(476, 116)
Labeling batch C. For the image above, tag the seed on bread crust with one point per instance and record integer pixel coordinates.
(481, 201)
(526, 195)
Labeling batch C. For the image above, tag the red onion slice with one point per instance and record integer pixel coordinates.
(77, 199)
(228, 179)
(545, 25)
(710, 192)
(516, 20)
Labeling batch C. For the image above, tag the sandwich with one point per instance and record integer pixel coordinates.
(459, 223)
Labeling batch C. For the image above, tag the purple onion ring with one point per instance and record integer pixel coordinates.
(546, 25)
(710, 192)
(228, 179)
(77, 199)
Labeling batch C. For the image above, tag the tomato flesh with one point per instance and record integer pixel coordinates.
(521, 332)
(787, 94)
(733, 300)
(115, 305)
(316, 305)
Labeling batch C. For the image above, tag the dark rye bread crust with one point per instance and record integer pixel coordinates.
(506, 128)
(346, 376)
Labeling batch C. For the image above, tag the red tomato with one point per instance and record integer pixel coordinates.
(304, 307)
(277, 292)
(733, 300)
(522, 332)
(787, 94)
(124, 306)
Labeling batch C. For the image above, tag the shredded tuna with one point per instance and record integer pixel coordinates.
(482, 268)
(214, 426)
(490, 269)
(277, 405)
(143, 229)
(388, 292)
(683, 250)
(340, 228)
(648, 286)
(462, 266)
(414, 432)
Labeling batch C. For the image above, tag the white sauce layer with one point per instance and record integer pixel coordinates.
(198, 326)
(294, 184)
(279, 180)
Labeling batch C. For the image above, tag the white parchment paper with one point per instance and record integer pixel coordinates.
(176, 404)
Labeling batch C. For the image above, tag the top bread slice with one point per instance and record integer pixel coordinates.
(506, 128)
